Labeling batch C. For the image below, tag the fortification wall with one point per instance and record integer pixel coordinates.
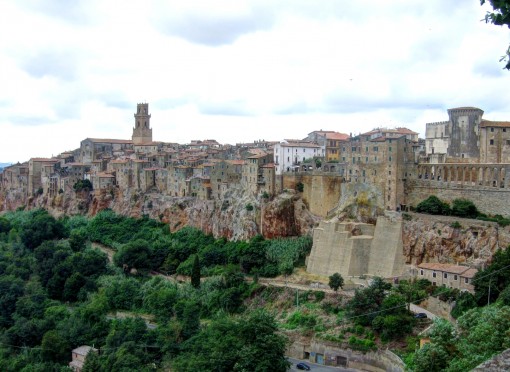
(487, 200)
(321, 192)
(354, 249)
(387, 254)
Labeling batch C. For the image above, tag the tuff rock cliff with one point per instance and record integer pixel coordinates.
(451, 239)
(238, 215)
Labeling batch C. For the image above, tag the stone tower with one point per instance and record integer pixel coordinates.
(142, 132)
(464, 133)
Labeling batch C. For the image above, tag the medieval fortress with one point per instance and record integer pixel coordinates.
(383, 171)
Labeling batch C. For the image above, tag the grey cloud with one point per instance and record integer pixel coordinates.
(225, 29)
(75, 12)
(62, 65)
(488, 68)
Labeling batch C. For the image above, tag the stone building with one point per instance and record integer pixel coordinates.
(447, 275)
(35, 169)
(289, 154)
(457, 138)
(494, 141)
(78, 357)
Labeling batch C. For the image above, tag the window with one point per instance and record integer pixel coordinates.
(366, 149)
(508, 142)
(504, 130)
(353, 149)
(421, 272)
(366, 159)
(389, 149)
(492, 129)
(390, 158)
(491, 142)
(455, 277)
(445, 275)
(434, 274)
(389, 172)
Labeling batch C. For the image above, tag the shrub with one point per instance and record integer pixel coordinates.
(82, 185)
(464, 208)
(433, 205)
(300, 187)
(249, 207)
(455, 225)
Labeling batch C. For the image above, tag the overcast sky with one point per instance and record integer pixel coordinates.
(239, 71)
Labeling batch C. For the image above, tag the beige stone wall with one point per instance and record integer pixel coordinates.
(387, 255)
(355, 249)
(321, 192)
(487, 200)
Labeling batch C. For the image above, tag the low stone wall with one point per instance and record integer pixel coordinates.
(487, 200)
(438, 307)
(322, 352)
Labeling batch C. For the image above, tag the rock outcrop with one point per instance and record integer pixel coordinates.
(238, 215)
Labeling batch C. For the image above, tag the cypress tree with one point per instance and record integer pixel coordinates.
(195, 273)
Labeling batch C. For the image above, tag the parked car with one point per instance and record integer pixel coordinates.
(303, 366)
(421, 316)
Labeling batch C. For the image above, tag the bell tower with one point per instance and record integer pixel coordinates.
(142, 132)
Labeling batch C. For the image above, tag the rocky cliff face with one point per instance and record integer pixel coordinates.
(238, 215)
(450, 239)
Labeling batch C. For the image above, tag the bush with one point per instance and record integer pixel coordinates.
(300, 187)
(249, 207)
(433, 205)
(455, 225)
(464, 208)
(82, 185)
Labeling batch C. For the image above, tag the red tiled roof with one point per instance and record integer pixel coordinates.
(109, 140)
(469, 273)
(449, 268)
(44, 160)
(489, 123)
(337, 136)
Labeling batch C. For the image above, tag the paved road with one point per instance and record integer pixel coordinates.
(318, 367)
(416, 309)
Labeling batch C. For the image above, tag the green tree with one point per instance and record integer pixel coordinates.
(367, 302)
(489, 283)
(464, 208)
(55, 348)
(336, 281)
(195, 273)
(133, 255)
(433, 205)
(500, 17)
(82, 185)
(92, 363)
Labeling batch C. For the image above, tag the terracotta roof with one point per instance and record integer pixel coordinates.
(489, 123)
(291, 143)
(449, 268)
(258, 156)
(44, 160)
(236, 162)
(108, 140)
(469, 273)
(119, 161)
(105, 175)
(83, 350)
(337, 136)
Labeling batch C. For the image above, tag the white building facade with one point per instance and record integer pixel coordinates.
(290, 154)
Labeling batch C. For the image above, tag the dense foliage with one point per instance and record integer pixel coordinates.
(58, 291)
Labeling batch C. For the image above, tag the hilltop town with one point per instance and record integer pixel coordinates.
(285, 187)
(465, 155)
(354, 194)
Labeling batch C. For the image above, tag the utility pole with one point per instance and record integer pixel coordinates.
(489, 295)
